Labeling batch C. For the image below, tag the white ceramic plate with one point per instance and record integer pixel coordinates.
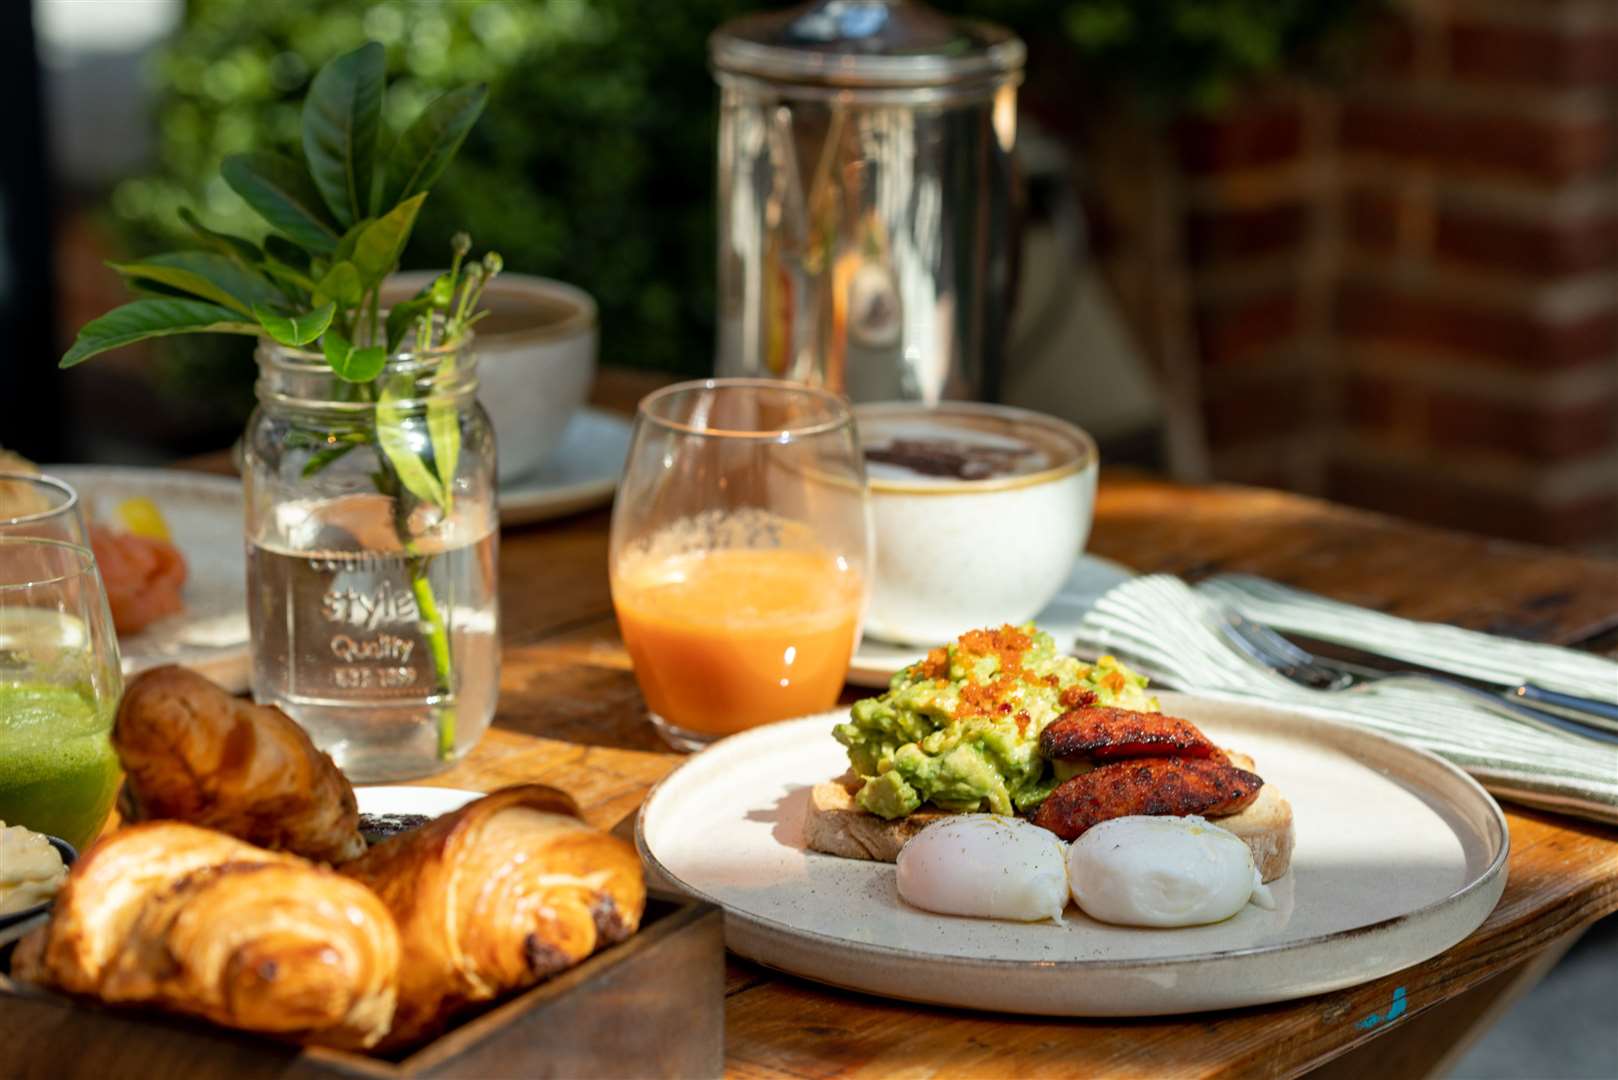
(397, 799)
(1399, 856)
(204, 515)
(581, 474)
(875, 661)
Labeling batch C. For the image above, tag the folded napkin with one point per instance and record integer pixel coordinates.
(1433, 645)
(1171, 632)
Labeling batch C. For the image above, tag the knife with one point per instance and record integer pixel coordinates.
(1365, 664)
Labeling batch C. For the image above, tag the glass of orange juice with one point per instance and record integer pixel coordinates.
(741, 541)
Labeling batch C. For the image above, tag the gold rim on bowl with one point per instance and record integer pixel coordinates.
(1082, 448)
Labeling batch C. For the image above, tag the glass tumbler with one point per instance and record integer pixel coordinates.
(740, 554)
(59, 690)
(43, 507)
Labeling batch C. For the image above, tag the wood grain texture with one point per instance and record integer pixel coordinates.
(1356, 556)
(570, 715)
(666, 978)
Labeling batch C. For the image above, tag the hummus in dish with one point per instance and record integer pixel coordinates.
(31, 869)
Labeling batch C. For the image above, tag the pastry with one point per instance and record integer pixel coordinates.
(191, 921)
(498, 896)
(193, 753)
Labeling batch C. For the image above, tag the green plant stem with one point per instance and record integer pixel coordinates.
(438, 642)
(421, 588)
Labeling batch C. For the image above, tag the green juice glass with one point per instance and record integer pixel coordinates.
(59, 690)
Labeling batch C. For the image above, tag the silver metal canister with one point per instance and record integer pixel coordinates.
(864, 198)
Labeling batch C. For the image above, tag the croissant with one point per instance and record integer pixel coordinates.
(191, 921)
(105, 891)
(193, 753)
(495, 897)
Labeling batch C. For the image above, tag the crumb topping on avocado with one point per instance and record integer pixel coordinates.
(960, 729)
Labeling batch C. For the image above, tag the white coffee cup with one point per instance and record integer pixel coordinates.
(536, 353)
(954, 554)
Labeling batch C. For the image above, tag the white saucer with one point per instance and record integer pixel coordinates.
(875, 662)
(581, 474)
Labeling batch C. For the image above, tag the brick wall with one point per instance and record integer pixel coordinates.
(1406, 289)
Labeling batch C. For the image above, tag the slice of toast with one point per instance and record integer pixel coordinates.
(835, 824)
(1265, 826)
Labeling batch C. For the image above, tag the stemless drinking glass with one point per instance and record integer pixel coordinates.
(59, 689)
(741, 541)
(42, 507)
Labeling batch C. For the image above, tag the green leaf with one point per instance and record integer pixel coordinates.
(403, 442)
(341, 118)
(286, 252)
(428, 145)
(300, 282)
(279, 190)
(444, 428)
(297, 329)
(205, 274)
(379, 245)
(402, 316)
(233, 247)
(344, 251)
(153, 318)
(322, 458)
(351, 364)
(340, 284)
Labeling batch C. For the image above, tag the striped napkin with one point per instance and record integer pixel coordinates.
(1171, 632)
(1433, 645)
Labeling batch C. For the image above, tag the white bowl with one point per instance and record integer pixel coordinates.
(536, 354)
(953, 555)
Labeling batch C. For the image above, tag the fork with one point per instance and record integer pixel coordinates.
(1286, 658)
(1272, 650)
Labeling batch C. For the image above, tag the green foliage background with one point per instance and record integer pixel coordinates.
(595, 159)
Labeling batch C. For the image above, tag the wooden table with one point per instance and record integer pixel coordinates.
(570, 715)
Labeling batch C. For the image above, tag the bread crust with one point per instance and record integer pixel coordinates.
(193, 753)
(834, 824)
(1265, 826)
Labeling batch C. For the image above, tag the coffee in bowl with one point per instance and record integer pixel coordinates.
(979, 512)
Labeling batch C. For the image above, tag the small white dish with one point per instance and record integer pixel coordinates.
(876, 661)
(204, 516)
(1399, 856)
(14, 925)
(401, 799)
(582, 474)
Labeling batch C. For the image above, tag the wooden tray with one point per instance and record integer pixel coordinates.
(652, 1006)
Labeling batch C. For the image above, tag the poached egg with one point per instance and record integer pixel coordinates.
(987, 866)
(1163, 871)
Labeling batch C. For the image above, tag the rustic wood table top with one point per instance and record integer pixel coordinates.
(570, 715)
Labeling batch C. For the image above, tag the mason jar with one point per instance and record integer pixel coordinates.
(372, 539)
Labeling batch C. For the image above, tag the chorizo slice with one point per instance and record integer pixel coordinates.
(1168, 786)
(1102, 733)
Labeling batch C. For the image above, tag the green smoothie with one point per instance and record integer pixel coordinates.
(58, 772)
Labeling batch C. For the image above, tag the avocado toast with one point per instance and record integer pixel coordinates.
(1000, 721)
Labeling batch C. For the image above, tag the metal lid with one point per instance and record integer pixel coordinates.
(860, 43)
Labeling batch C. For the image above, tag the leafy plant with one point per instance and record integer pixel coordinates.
(335, 225)
(626, 149)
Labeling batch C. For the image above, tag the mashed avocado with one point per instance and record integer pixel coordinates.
(961, 728)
